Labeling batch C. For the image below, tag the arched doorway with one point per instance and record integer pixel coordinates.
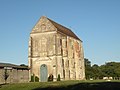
(43, 73)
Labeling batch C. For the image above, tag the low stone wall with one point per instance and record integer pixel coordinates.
(15, 75)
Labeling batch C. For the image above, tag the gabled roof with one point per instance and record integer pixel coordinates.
(63, 29)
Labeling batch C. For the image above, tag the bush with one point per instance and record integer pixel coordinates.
(6, 75)
(34, 78)
(50, 78)
(58, 79)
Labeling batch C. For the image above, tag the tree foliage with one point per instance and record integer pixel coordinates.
(110, 69)
(6, 75)
(23, 65)
(58, 78)
(88, 69)
(34, 78)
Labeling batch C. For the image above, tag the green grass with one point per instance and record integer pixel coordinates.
(45, 85)
(33, 85)
(30, 86)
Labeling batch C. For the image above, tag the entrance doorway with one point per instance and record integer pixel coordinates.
(43, 73)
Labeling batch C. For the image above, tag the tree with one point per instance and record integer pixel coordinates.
(34, 78)
(58, 79)
(97, 74)
(111, 69)
(88, 69)
(50, 78)
(24, 65)
(6, 75)
(87, 62)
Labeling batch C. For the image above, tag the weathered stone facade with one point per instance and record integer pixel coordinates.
(17, 74)
(55, 49)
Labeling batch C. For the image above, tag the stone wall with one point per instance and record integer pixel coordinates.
(15, 75)
(1, 76)
(61, 53)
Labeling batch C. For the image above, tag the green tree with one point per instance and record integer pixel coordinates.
(6, 75)
(88, 69)
(58, 79)
(23, 65)
(97, 73)
(111, 69)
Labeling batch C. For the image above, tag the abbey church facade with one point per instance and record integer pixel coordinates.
(55, 50)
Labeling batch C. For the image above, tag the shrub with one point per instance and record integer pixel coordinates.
(58, 79)
(50, 78)
(36, 79)
(32, 78)
(6, 75)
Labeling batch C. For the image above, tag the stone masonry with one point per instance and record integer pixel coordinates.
(55, 49)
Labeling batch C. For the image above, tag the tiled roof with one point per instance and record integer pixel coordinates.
(13, 66)
(63, 29)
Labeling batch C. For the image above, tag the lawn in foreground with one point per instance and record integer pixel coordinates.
(34, 85)
(64, 85)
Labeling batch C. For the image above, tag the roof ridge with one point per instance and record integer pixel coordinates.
(64, 29)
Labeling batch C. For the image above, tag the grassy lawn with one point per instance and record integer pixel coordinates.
(64, 85)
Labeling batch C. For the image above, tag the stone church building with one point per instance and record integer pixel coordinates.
(55, 49)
